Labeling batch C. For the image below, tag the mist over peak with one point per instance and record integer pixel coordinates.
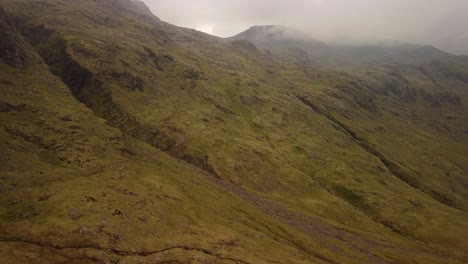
(276, 32)
(442, 24)
(288, 43)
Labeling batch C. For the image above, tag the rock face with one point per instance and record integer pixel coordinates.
(13, 50)
(142, 7)
(136, 6)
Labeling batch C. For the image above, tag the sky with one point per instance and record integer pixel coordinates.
(441, 23)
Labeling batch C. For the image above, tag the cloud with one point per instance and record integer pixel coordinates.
(442, 23)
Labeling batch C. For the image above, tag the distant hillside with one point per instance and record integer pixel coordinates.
(295, 46)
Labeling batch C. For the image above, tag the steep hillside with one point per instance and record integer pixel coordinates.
(76, 190)
(129, 139)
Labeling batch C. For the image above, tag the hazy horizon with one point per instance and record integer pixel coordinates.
(442, 24)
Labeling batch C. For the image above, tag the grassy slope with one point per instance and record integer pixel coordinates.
(65, 173)
(229, 110)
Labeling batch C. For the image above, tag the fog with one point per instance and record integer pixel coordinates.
(442, 23)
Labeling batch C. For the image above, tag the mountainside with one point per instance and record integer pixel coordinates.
(125, 139)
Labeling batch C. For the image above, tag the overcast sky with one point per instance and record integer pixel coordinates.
(442, 23)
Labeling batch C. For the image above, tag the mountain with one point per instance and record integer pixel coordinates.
(299, 47)
(126, 139)
(268, 37)
(285, 43)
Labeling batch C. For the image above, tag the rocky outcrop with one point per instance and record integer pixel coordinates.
(13, 49)
(393, 83)
(135, 6)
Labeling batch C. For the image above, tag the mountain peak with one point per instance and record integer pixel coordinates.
(270, 36)
(139, 7)
(136, 6)
(264, 27)
(269, 31)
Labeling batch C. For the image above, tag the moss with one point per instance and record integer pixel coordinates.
(5, 219)
(354, 199)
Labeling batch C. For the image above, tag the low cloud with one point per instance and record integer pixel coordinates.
(442, 23)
